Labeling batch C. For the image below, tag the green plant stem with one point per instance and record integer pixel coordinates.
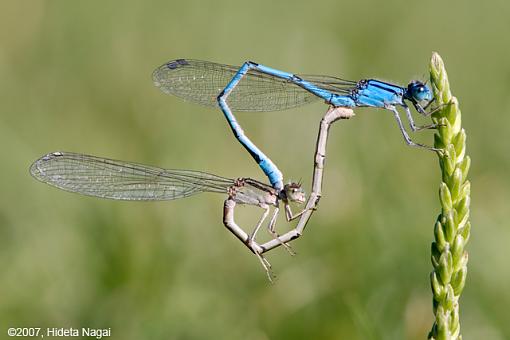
(452, 228)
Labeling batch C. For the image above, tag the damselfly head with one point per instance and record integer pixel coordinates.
(418, 91)
(294, 193)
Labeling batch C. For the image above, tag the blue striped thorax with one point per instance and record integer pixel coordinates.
(377, 93)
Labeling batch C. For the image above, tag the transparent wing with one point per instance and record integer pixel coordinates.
(107, 178)
(202, 81)
(331, 84)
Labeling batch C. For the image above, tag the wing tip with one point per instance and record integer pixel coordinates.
(168, 66)
(37, 168)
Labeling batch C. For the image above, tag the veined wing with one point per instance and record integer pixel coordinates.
(107, 178)
(332, 84)
(202, 81)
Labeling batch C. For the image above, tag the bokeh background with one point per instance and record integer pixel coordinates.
(76, 76)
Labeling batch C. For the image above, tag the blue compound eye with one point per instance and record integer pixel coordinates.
(419, 91)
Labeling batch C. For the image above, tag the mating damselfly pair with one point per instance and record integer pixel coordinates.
(251, 87)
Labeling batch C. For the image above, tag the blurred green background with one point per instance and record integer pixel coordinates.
(75, 76)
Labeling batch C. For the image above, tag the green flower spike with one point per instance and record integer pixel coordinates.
(451, 230)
